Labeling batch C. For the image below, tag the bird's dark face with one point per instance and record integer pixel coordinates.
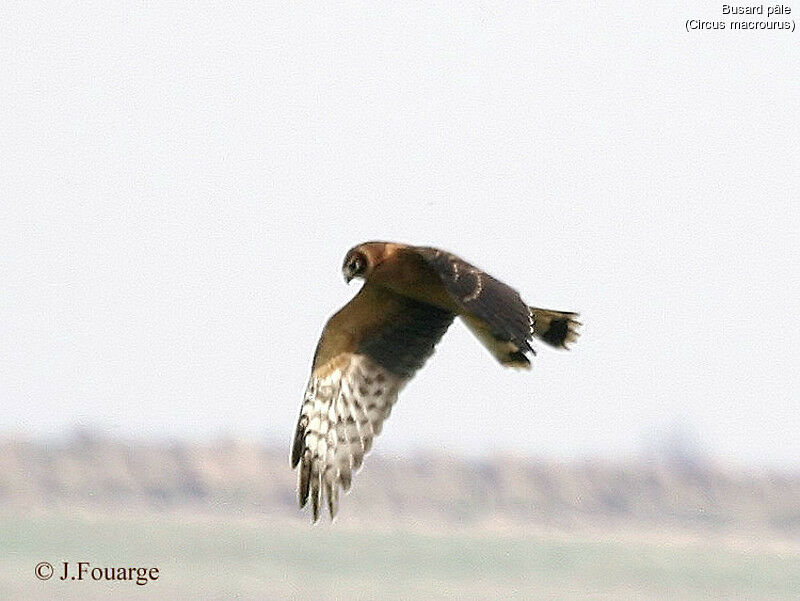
(355, 265)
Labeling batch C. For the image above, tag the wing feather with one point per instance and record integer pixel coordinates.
(495, 312)
(366, 353)
(482, 296)
(343, 411)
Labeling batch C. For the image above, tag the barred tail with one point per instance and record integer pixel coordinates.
(556, 328)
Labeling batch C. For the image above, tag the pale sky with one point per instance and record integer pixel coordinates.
(179, 183)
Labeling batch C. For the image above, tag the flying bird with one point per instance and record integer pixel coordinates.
(375, 344)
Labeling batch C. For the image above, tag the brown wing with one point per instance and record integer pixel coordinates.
(493, 306)
(495, 312)
(366, 353)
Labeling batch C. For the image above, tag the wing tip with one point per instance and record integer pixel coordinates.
(517, 360)
(303, 481)
(294, 457)
(336, 429)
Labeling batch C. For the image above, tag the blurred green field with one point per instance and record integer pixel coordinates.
(225, 558)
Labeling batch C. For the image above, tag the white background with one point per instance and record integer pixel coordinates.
(179, 183)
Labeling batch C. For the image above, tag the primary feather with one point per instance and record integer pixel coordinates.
(343, 410)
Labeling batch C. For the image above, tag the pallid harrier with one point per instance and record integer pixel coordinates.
(373, 346)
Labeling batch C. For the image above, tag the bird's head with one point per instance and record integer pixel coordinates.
(355, 265)
(360, 260)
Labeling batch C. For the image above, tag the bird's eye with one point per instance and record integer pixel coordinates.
(356, 265)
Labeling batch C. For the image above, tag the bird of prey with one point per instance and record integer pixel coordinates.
(374, 344)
